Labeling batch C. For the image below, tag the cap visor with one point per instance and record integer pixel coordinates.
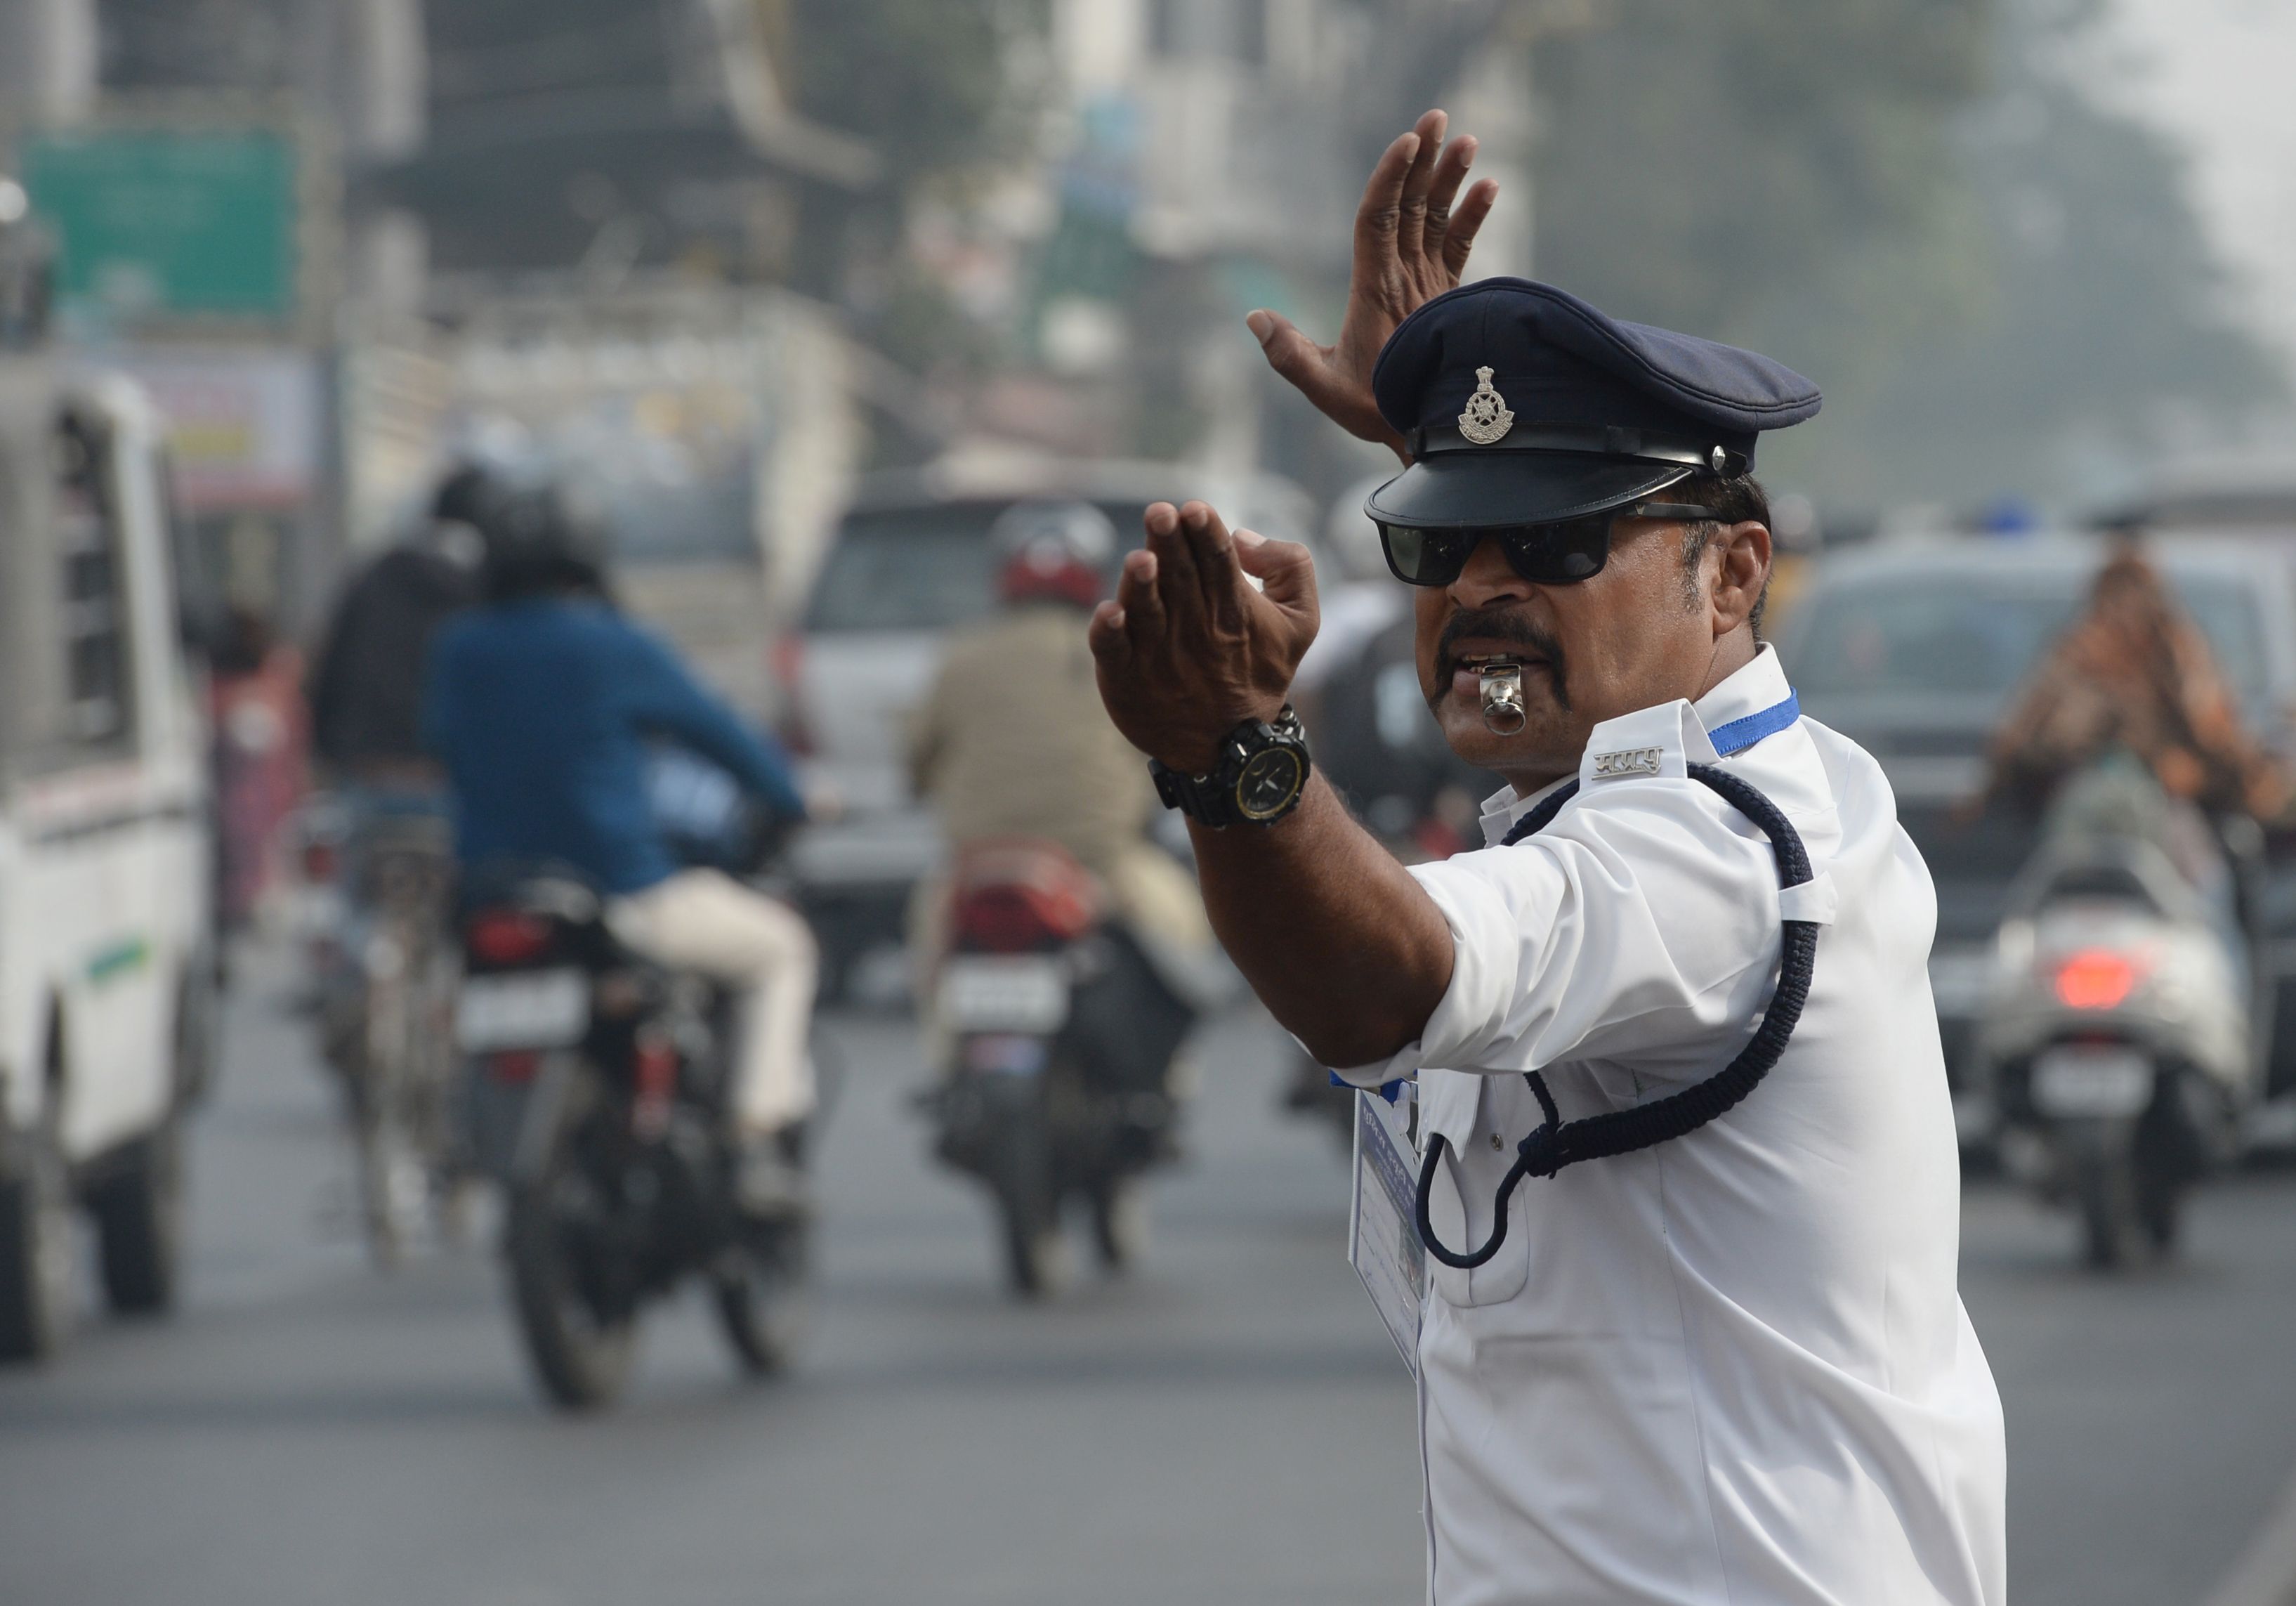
(1479, 489)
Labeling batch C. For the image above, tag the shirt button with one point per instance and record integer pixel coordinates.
(1496, 1142)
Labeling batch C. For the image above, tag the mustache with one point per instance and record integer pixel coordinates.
(1497, 624)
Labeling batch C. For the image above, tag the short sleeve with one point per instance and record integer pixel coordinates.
(1643, 922)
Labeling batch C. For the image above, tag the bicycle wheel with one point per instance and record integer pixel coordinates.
(392, 1186)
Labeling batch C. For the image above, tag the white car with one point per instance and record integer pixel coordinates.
(106, 955)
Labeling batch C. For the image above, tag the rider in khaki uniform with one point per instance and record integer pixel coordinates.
(1014, 743)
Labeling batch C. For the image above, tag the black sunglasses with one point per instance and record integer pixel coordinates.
(1559, 554)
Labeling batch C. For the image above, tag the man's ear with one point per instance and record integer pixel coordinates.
(1741, 574)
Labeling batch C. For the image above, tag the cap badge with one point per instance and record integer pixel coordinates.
(1487, 420)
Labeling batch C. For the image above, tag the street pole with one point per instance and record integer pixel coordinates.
(47, 60)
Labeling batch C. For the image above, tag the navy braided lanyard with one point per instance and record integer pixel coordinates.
(1555, 1142)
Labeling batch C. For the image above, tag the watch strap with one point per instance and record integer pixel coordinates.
(1211, 798)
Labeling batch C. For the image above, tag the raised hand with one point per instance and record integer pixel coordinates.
(1411, 246)
(1188, 650)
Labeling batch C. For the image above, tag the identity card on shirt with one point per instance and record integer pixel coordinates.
(1382, 1227)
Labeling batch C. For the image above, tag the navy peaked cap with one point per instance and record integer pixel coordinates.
(1520, 403)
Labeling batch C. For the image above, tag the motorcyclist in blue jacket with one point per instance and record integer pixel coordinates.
(542, 703)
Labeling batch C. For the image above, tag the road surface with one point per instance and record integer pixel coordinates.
(1228, 1425)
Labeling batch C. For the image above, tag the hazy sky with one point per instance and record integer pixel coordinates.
(2220, 75)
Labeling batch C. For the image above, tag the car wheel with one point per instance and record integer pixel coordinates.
(36, 1270)
(138, 1210)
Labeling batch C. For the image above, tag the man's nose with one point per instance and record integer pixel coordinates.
(1488, 578)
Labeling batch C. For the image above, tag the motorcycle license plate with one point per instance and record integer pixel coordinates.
(1006, 1054)
(1002, 992)
(2089, 1081)
(524, 1010)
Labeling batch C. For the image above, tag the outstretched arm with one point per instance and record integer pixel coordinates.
(1411, 245)
(1337, 939)
(663, 698)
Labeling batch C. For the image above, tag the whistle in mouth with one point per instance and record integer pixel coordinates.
(1503, 709)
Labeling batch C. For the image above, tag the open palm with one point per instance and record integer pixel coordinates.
(1189, 648)
(1413, 233)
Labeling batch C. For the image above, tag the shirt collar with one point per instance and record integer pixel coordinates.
(1503, 808)
(1760, 685)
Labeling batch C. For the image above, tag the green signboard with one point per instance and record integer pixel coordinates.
(166, 224)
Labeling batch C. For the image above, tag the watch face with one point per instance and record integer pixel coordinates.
(1271, 780)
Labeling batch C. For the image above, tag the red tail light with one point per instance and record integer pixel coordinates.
(514, 1069)
(787, 661)
(2096, 978)
(1016, 919)
(1005, 920)
(504, 936)
(320, 861)
(1013, 897)
(654, 1066)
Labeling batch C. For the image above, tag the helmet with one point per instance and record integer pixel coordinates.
(1053, 551)
(459, 508)
(537, 543)
(465, 495)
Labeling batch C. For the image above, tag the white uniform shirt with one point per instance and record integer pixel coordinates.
(1732, 1370)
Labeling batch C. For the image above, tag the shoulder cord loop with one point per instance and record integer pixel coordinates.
(1555, 1142)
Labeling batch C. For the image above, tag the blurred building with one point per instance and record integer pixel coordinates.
(597, 202)
(322, 232)
(375, 203)
(601, 137)
(1202, 158)
(192, 210)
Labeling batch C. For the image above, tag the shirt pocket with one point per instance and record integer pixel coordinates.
(1457, 1108)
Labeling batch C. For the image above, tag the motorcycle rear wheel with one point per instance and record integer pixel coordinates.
(1018, 1169)
(1035, 1254)
(2106, 1190)
(2109, 1235)
(2130, 1190)
(1120, 1223)
(765, 1307)
(2160, 1199)
(581, 1356)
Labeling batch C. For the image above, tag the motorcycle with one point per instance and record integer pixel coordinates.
(1058, 1038)
(598, 1093)
(2117, 1036)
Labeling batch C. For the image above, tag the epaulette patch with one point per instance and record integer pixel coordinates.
(1634, 760)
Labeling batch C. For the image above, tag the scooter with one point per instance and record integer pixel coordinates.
(1057, 1041)
(2116, 1036)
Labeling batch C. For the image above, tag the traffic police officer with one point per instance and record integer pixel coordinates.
(1710, 1349)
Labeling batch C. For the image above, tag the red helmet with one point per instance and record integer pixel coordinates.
(1053, 552)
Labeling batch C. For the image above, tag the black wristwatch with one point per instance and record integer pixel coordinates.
(1261, 776)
